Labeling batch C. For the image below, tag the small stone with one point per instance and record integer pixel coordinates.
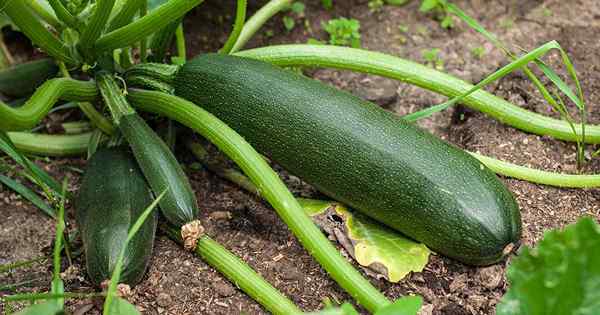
(163, 299)
(379, 90)
(491, 277)
(223, 289)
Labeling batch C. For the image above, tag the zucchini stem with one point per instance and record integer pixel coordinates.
(257, 20)
(113, 97)
(240, 18)
(270, 186)
(410, 72)
(28, 115)
(148, 24)
(238, 272)
(28, 23)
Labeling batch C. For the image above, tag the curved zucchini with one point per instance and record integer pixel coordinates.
(113, 194)
(361, 155)
(22, 79)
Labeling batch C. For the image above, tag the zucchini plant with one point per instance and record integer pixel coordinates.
(351, 150)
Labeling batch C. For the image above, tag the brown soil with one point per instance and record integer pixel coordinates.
(180, 283)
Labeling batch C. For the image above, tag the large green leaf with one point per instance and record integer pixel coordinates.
(122, 307)
(560, 276)
(372, 245)
(46, 308)
(408, 305)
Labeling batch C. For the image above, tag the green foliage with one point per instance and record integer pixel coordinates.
(327, 4)
(478, 52)
(396, 2)
(45, 308)
(408, 305)
(376, 5)
(296, 10)
(343, 32)
(439, 8)
(560, 276)
(432, 58)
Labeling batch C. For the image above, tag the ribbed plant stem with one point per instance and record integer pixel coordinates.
(258, 20)
(270, 186)
(407, 71)
(38, 105)
(240, 18)
(28, 23)
(148, 24)
(238, 272)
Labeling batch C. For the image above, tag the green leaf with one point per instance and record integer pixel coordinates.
(46, 308)
(396, 2)
(344, 309)
(371, 244)
(408, 305)
(122, 307)
(327, 4)
(560, 276)
(28, 194)
(298, 7)
(288, 22)
(428, 5)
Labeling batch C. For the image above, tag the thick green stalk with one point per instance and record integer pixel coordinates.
(238, 272)
(126, 14)
(28, 23)
(240, 18)
(422, 76)
(148, 24)
(50, 145)
(32, 112)
(95, 27)
(270, 186)
(180, 40)
(63, 14)
(161, 41)
(44, 13)
(538, 176)
(258, 20)
(118, 104)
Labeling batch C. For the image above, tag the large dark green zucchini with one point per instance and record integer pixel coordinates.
(361, 155)
(112, 196)
(22, 79)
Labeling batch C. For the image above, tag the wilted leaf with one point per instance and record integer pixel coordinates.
(371, 244)
(560, 276)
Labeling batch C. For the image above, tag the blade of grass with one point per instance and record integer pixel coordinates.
(114, 279)
(28, 194)
(58, 286)
(21, 264)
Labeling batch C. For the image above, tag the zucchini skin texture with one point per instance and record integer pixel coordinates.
(22, 79)
(361, 155)
(112, 196)
(161, 169)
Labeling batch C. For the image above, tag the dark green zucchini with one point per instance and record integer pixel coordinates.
(361, 155)
(157, 162)
(112, 196)
(22, 79)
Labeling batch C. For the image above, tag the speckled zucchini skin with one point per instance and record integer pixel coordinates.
(360, 155)
(22, 79)
(112, 196)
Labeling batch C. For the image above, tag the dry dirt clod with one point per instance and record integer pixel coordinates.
(223, 289)
(490, 277)
(163, 300)
(190, 233)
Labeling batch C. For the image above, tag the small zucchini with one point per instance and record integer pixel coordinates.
(157, 162)
(112, 196)
(361, 155)
(22, 79)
